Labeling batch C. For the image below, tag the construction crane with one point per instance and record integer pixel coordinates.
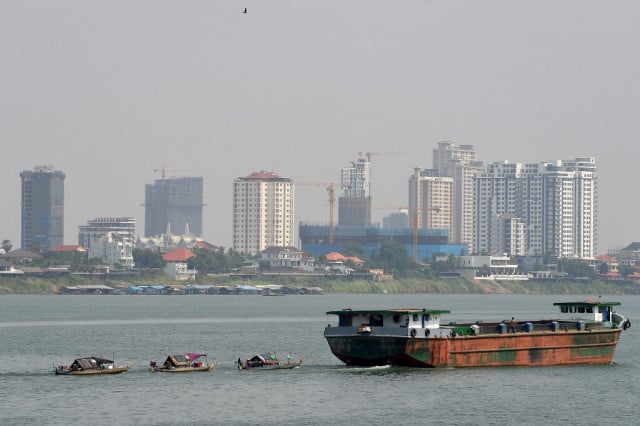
(163, 171)
(414, 222)
(370, 154)
(331, 191)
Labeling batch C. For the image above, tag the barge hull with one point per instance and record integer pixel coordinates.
(518, 349)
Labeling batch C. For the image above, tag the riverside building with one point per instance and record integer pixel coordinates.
(459, 162)
(430, 200)
(111, 239)
(354, 206)
(42, 208)
(541, 209)
(173, 203)
(263, 212)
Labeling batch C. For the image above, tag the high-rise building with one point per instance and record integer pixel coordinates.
(397, 220)
(459, 163)
(263, 212)
(354, 206)
(42, 208)
(173, 204)
(430, 200)
(543, 209)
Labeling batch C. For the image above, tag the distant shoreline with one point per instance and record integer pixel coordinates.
(32, 285)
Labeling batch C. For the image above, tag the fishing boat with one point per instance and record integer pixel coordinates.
(584, 333)
(89, 366)
(189, 362)
(268, 361)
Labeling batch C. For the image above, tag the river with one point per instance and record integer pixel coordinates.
(41, 330)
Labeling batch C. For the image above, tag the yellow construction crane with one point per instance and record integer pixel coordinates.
(331, 190)
(414, 222)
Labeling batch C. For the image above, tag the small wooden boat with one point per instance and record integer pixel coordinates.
(268, 361)
(89, 366)
(189, 362)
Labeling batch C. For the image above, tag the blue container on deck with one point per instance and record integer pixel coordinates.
(555, 326)
(528, 327)
(502, 328)
(580, 325)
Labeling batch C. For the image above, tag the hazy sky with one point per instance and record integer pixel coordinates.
(109, 91)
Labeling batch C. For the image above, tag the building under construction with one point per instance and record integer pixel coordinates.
(42, 208)
(173, 204)
(354, 206)
(315, 239)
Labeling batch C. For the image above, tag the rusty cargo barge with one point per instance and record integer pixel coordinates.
(584, 333)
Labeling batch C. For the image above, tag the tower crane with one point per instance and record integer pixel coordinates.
(370, 154)
(414, 222)
(163, 171)
(331, 191)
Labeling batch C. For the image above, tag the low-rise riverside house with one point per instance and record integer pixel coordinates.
(7, 269)
(287, 258)
(496, 267)
(177, 267)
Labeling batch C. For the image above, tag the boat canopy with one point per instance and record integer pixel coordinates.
(179, 360)
(90, 362)
(269, 356)
(193, 356)
(585, 303)
(389, 312)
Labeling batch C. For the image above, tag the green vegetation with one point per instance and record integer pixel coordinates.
(32, 285)
(217, 268)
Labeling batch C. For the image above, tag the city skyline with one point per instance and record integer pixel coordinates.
(107, 94)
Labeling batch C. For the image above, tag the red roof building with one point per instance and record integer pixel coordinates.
(337, 257)
(178, 255)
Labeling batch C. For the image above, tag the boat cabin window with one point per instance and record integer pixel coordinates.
(581, 309)
(375, 320)
(345, 320)
(589, 309)
(564, 309)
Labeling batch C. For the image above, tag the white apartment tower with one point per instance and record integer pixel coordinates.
(459, 163)
(263, 212)
(354, 206)
(430, 200)
(550, 206)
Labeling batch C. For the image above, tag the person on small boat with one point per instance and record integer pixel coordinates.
(512, 325)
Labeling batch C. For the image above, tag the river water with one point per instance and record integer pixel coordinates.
(39, 331)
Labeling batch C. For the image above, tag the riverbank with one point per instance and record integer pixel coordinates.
(32, 285)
